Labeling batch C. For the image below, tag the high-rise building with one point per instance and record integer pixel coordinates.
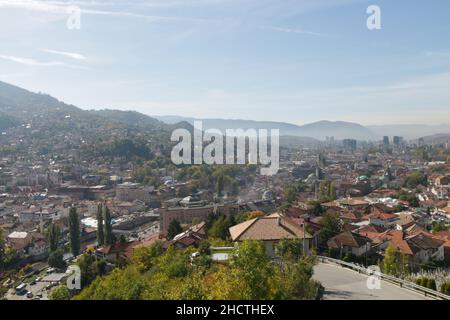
(397, 141)
(386, 141)
(349, 144)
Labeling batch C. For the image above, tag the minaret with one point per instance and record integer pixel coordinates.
(41, 222)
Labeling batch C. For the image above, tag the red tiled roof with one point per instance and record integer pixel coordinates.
(380, 216)
(348, 239)
(117, 247)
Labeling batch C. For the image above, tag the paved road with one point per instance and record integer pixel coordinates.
(346, 284)
(39, 287)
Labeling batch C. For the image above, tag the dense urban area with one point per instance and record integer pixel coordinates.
(97, 190)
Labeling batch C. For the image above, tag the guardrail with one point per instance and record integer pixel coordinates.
(392, 279)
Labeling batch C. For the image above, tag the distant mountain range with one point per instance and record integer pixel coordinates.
(317, 130)
(436, 139)
(19, 106)
(321, 129)
(410, 131)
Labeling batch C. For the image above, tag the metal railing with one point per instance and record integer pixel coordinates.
(400, 282)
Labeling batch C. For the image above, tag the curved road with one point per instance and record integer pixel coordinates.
(345, 284)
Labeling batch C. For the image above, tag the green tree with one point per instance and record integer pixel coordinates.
(390, 264)
(289, 248)
(414, 179)
(317, 208)
(88, 272)
(220, 227)
(100, 231)
(60, 293)
(438, 227)
(331, 226)
(74, 231)
(251, 264)
(99, 267)
(290, 195)
(120, 284)
(204, 258)
(56, 259)
(143, 256)
(53, 236)
(109, 238)
(295, 279)
(174, 275)
(219, 185)
(174, 229)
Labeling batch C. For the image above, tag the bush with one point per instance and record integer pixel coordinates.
(445, 288)
(423, 282)
(60, 293)
(431, 284)
(55, 259)
(426, 282)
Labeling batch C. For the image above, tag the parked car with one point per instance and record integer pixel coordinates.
(21, 289)
(29, 294)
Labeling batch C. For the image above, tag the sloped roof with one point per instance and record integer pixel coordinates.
(199, 228)
(353, 202)
(411, 243)
(380, 216)
(415, 229)
(117, 247)
(424, 241)
(348, 239)
(444, 235)
(371, 228)
(268, 228)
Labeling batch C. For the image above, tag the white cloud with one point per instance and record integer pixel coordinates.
(300, 31)
(63, 7)
(35, 63)
(73, 55)
(34, 5)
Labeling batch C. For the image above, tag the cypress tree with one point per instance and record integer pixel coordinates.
(100, 231)
(53, 235)
(108, 226)
(74, 231)
(174, 229)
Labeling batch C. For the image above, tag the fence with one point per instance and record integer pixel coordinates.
(402, 283)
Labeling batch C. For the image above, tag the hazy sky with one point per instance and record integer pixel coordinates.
(283, 60)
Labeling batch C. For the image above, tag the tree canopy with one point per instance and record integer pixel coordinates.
(249, 274)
